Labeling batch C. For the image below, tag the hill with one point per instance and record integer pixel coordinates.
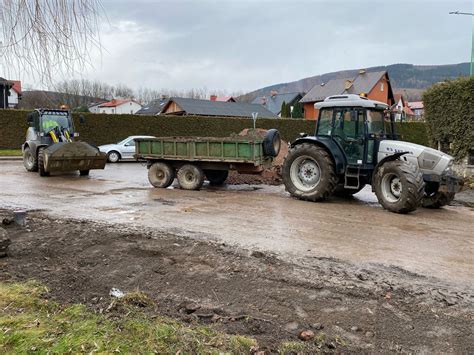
(412, 79)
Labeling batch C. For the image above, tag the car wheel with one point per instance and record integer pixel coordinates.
(113, 156)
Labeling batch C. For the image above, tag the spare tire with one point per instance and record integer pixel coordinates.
(272, 143)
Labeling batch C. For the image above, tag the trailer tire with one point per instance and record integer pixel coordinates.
(41, 168)
(272, 143)
(190, 177)
(437, 199)
(84, 172)
(30, 160)
(308, 173)
(161, 175)
(216, 177)
(399, 186)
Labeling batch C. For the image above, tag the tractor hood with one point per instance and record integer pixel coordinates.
(430, 161)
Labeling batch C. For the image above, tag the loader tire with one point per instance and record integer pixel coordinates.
(190, 177)
(437, 199)
(308, 173)
(216, 177)
(399, 186)
(161, 175)
(30, 160)
(41, 168)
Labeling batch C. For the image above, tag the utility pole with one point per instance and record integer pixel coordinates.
(472, 36)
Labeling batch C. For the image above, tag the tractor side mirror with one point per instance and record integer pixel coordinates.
(82, 119)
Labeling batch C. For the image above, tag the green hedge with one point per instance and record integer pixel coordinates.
(449, 113)
(102, 129)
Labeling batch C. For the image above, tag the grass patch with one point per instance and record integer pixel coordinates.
(31, 323)
(10, 152)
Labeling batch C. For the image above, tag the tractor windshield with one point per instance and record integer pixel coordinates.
(375, 122)
(50, 120)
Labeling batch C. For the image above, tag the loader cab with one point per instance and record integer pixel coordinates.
(357, 125)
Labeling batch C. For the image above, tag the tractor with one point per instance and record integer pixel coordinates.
(49, 145)
(356, 144)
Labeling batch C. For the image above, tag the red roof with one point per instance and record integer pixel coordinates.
(114, 103)
(16, 86)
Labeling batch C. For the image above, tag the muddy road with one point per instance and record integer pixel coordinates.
(434, 243)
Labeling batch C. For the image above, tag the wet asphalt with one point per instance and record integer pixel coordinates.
(433, 243)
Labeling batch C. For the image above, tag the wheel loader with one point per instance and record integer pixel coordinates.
(356, 144)
(50, 145)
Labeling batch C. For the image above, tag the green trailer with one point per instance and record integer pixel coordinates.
(192, 159)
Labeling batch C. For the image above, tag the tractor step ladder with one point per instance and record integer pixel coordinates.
(352, 177)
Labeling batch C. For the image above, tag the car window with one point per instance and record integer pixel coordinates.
(130, 142)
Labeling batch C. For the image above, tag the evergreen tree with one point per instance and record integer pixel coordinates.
(297, 110)
(283, 110)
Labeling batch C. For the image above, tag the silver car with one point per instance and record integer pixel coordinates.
(124, 149)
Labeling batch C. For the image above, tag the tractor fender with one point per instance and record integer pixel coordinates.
(34, 146)
(384, 160)
(330, 146)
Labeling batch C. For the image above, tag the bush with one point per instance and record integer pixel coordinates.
(449, 113)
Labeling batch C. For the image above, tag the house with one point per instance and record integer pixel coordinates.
(153, 108)
(222, 98)
(274, 100)
(418, 109)
(401, 107)
(118, 106)
(94, 106)
(10, 93)
(194, 107)
(373, 85)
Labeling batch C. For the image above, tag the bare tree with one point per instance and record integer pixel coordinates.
(46, 37)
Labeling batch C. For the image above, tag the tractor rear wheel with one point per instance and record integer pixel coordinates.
(437, 199)
(399, 186)
(161, 175)
(308, 172)
(41, 163)
(216, 177)
(190, 177)
(29, 160)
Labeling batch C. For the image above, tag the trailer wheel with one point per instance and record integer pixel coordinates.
(161, 175)
(272, 143)
(190, 177)
(84, 172)
(437, 199)
(29, 160)
(41, 168)
(216, 177)
(308, 173)
(399, 186)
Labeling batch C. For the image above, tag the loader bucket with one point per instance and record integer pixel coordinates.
(67, 156)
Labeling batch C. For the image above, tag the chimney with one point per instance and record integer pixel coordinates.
(362, 71)
(213, 97)
(273, 93)
(347, 84)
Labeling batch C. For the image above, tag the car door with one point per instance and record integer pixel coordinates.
(128, 149)
(349, 133)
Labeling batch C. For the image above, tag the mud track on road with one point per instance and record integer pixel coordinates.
(349, 307)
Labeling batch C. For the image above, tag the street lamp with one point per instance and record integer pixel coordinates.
(472, 44)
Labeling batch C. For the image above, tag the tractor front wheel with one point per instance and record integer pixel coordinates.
(308, 173)
(41, 163)
(399, 186)
(29, 160)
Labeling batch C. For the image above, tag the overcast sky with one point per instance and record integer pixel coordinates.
(247, 44)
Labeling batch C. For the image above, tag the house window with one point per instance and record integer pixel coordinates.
(131, 112)
(381, 87)
(113, 110)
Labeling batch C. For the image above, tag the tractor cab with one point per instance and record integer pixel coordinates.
(357, 125)
(51, 126)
